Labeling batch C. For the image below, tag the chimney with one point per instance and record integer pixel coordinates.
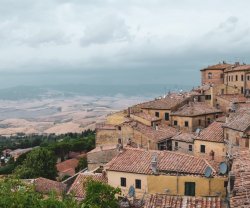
(224, 62)
(237, 63)
(129, 111)
(154, 164)
(211, 154)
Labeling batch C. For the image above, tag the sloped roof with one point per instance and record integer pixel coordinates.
(167, 103)
(184, 137)
(139, 161)
(45, 186)
(146, 116)
(239, 68)
(220, 66)
(67, 166)
(163, 132)
(237, 98)
(241, 188)
(164, 201)
(78, 188)
(239, 121)
(196, 109)
(213, 133)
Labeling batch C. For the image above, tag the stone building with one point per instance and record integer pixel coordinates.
(183, 142)
(210, 143)
(194, 115)
(214, 74)
(168, 172)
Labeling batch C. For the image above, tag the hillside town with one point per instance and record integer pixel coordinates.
(182, 149)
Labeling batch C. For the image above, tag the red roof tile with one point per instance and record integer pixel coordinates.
(67, 166)
(45, 186)
(139, 161)
(146, 116)
(217, 67)
(233, 98)
(241, 188)
(164, 201)
(239, 68)
(184, 137)
(78, 187)
(213, 133)
(195, 109)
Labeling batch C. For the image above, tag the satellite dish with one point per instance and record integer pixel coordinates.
(223, 168)
(208, 172)
(131, 191)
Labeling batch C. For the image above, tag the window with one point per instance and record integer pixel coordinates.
(207, 97)
(203, 148)
(189, 188)
(242, 77)
(190, 148)
(157, 114)
(248, 78)
(186, 123)
(247, 143)
(175, 123)
(221, 76)
(222, 91)
(242, 90)
(123, 182)
(236, 77)
(232, 78)
(176, 145)
(209, 75)
(167, 116)
(229, 78)
(119, 128)
(137, 183)
(237, 141)
(199, 122)
(208, 120)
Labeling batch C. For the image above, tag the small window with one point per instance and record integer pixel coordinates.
(119, 128)
(229, 78)
(237, 141)
(248, 78)
(221, 76)
(242, 77)
(203, 148)
(236, 77)
(157, 114)
(189, 188)
(186, 123)
(123, 182)
(176, 145)
(190, 148)
(175, 123)
(208, 120)
(199, 122)
(167, 116)
(209, 75)
(207, 97)
(247, 143)
(138, 184)
(222, 91)
(232, 78)
(242, 90)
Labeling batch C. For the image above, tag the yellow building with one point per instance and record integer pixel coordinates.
(164, 172)
(210, 143)
(194, 115)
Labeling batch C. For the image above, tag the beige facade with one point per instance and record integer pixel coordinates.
(164, 115)
(219, 149)
(107, 136)
(168, 184)
(212, 76)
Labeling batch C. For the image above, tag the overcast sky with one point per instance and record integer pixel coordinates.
(167, 35)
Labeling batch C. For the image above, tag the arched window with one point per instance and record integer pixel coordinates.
(209, 75)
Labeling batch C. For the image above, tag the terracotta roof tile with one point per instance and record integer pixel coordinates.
(167, 103)
(164, 201)
(241, 188)
(239, 68)
(213, 133)
(78, 188)
(217, 66)
(233, 98)
(163, 132)
(146, 116)
(139, 161)
(67, 166)
(45, 186)
(184, 137)
(195, 109)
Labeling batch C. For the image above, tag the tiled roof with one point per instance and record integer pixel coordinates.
(195, 109)
(239, 121)
(184, 137)
(241, 188)
(78, 188)
(45, 186)
(146, 116)
(167, 103)
(217, 66)
(165, 201)
(103, 148)
(213, 133)
(233, 98)
(67, 166)
(139, 161)
(163, 132)
(239, 68)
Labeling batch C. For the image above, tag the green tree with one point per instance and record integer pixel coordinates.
(100, 195)
(83, 163)
(40, 162)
